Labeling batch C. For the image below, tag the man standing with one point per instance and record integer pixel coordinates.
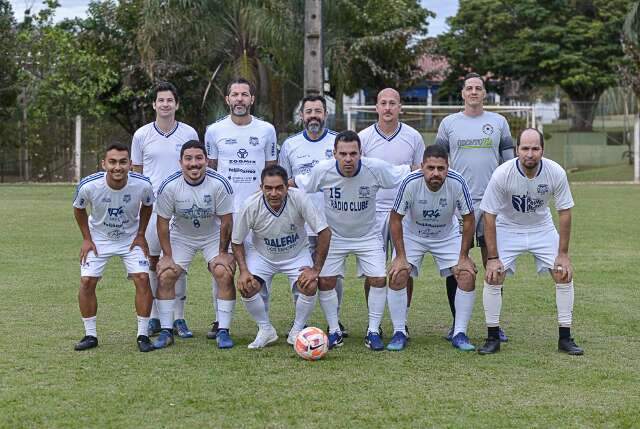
(518, 220)
(350, 184)
(477, 141)
(398, 144)
(239, 146)
(429, 198)
(155, 151)
(121, 204)
(200, 201)
(276, 219)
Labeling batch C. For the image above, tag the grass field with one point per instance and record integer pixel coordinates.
(612, 173)
(44, 383)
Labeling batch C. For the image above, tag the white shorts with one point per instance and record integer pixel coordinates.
(478, 216)
(445, 252)
(134, 260)
(370, 258)
(184, 250)
(261, 267)
(151, 234)
(543, 245)
(382, 225)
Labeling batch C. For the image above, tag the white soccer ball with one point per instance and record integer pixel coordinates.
(311, 343)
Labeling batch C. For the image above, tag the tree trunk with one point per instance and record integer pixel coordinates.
(584, 110)
(340, 120)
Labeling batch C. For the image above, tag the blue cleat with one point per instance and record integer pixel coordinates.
(461, 342)
(449, 335)
(335, 340)
(224, 339)
(398, 342)
(154, 327)
(181, 329)
(165, 339)
(373, 341)
(503, 337)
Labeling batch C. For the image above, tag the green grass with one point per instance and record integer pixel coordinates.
(44, 383)
(612, 173)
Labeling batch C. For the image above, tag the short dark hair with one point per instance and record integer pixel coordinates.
(119, 147)
(275, 170)
(165, 86)
(241, 80)
(436, 151)
(347, 136)
(314, 98)
(193, 144)
(534, 129)
(472, 75)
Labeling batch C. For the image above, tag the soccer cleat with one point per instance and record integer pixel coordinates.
(345, 333)
(86, 343)
(154, 326)
(165, 339)
(335, 340)
(568, 346)
(398, 342)
(373, 341)
(461, 342)
(181, 329)
(291, 338)
(503, 336)
(265, 337)
(491, 346)
(213, 331)
(449, 335)
(144, 344)
(224, 339)
(406, 330)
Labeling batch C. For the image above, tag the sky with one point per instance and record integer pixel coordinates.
(77, 8)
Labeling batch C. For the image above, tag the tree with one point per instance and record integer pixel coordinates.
(574, 44)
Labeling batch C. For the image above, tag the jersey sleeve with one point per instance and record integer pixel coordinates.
(442, 137)
(81, 197)
(506, 141)
(137, 157)
(404, 200)
(164, 204)
(224, 200)
(389, 176)
(419, 151)
(283, 159)
(493, 195)
(241, 225)
(270, 148)
(464, 203)
(210, 143)
(315, 218)
(562, 192)
(193, 134)
(310, 183)
(147, 195)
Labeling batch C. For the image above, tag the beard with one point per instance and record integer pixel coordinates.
(314, 125)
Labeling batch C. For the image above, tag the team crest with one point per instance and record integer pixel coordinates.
(328, 153)
(487, 129)
(207, 199)
(443, 202)
(254, 141)
(126, 198)
(293, 227)
(364, 192)
(178, 147)
(543, 189)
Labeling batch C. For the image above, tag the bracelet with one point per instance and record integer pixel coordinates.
(493, 257)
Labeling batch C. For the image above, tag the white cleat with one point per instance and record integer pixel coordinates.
(291, 338)
(265, 337)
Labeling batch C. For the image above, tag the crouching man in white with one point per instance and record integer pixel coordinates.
(429, 198)
(277, 217)
(121, 204)
(201, 202)
(518, 220)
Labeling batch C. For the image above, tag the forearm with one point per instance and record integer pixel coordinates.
(490, 235)
(145, 216)
(468, 227)
(397, 234)
(82, 219)
(226, 226)
(322, 248)
(564, 221)
(163, 236)
(238, 253)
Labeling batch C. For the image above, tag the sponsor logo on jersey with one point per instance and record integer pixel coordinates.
(302, 156)
(126, 198)
(143, 263)
(475, 143)
(443, 202)
(526, 204)
(431, 214)
(293, 227)
(307, 166)
(230, 141)
(487, 129)
(115, 234)
(543, 189)
(254, 141)
(280, 242)
(81, 201)
(364, 192)
(406, 206)
(106, 200)
(349, 206)
(207, 199)
(115, 212)
(242, 153)
(241, 170)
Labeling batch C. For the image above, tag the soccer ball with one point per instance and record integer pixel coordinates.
(311, 343)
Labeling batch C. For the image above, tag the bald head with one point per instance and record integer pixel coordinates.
(531, 136)
(388, 107)
(389, 93)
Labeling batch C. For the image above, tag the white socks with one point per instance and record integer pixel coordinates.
(255, 307)
(304, 308)
(90, 326)
(564, 303)
(492, 301)
(153, 281)
(214, 297)
(377, 301)
(225, 312)
(181, 297)
(143, 326)
(329, 304)
(464, 307)
(165, 310)
(339, 292)
(397, 301)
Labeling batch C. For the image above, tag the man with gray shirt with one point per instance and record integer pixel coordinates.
(478, 141)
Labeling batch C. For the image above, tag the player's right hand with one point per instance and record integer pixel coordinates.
(87, 246)
(166, 263)
(247, 284)
(397, 266)
(495, 272)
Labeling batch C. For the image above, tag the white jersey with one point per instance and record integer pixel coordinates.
(431, 214)
(114, 213)
(404, 146)
(281, 235)
(475, 144)
(522, 204)
(241, 151)
(159, 153)
(195, 208)
(299, 154)
(350, 202)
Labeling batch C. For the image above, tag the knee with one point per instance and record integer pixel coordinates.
(466, 281)
(310, 290)
(377, 281)
(167, 279)
(399, 281)
(327, 283)
(88, 284)
(221, 275)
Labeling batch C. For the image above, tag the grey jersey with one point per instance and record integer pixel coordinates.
(475, 144)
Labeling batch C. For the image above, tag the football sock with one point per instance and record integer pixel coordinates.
(397, 301)
(376, 302)
(304, 308)
(214, 297)
(564, 303)
(464, 307)
(225, 312)
(181, 297)
(452, 287)
(165, 310)
(153, 281)
(255, 307)
(492, 302)
(339, 292)
(143, 326)
(90, 326)
(329, 304)
(493, 332)
(264, 294)
(564, 332)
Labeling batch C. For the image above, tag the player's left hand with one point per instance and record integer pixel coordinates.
(141, 242)
(562, 266)
(465, 263)
(227, 261)
(307, 277)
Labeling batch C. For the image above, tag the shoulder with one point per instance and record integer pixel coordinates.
(169, 182)
(262, 124)
(91, 180)
(187, 128)
(219, 123)
(449, 120)
(412, 178)
(219, 179)
(137, 177)
(494, 116)
(142, 131)
(409, 130)
(456, 177)
(292, 140)
(553, 167)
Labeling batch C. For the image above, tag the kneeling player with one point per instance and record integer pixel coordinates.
(201, 202)
(517, 220)
(277, 217)
(121, 203)
(429, 198)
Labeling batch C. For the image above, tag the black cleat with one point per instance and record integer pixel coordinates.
(568, 346)
(144, 344)
(88, 342)
(213, 332)
(491, 346)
